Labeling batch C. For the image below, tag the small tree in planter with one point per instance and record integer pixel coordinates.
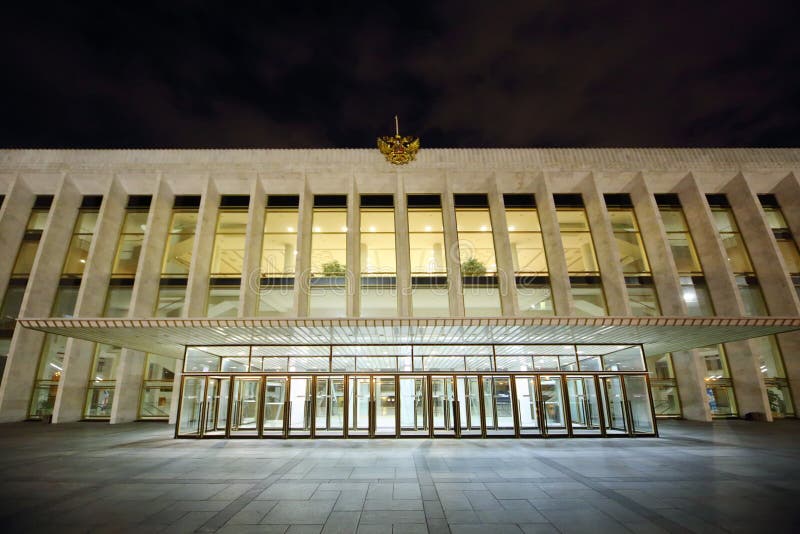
(473, 267)
(333, 268)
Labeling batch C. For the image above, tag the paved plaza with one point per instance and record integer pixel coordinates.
(729, 476)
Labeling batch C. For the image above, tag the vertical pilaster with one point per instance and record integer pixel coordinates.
(453, 254)
(26, 345)
(748, 383)
(78, 354)
(554, 248)
(502, 249)
(353, 255)
(605, 247)
(130, 369)
(14, 214)
(251, 267)
(402, 250)
(302, 277)
(197, 283)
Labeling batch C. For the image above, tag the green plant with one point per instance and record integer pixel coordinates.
(333, 268)
(473, 267)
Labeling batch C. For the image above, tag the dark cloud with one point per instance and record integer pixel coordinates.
(458, 73)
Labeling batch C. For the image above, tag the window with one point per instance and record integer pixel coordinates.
(328, 292)
(427, 252)
(156, 397)
(719, 386)
(477, 255)
(528, 256)
(177, 259)
(783, 237)
(278, 257)
(227, 259)
(102, 382)
(378, 257)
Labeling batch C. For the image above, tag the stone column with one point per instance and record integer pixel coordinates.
(302, 276)
(554, 248)
(26, 345)
(197, 283)
(502, 249)
(605, 248)
(14, 214)
(251, 266)
(353, 272)
(688, 366)
(78, 353)
(787, 192)
(131, 367)
(402, 251)
(746, 377)
(452, 254)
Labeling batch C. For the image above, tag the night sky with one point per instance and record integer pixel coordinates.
(459, 74)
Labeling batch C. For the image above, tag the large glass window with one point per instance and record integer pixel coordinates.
(783, 237)
(328, 292)
(772, 369)
(663, 385)
(278, 257)
(584, 273)
(378, 257)
(528, 256)
(102, 381)
(227, 259)
(633, 257)
(476, 250)
(738, 257)
(693, 285)
(177, 258)
(719, 386)
(126, 260)
(78, 251)
(159, 373)
(427, 252)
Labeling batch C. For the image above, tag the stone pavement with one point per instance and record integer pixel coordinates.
(729, 476)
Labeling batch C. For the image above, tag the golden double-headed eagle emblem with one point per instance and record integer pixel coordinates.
(398, 149)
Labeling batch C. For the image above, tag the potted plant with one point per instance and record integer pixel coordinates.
(473, 267)
(333, 268)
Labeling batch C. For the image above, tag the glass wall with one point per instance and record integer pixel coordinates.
(719, 385)
(378, 257)
(738, 257)
(156, 397)
(528, 256)
(177, 258)
(633, 257)
(427, 251)
(227, 259)
(663, 385)
(783, 237)
(102, 380)
(328, 291)
(51, 358)
(477, 255)
(126, 259)
(279, 256)
(693, 285)
(584, 273)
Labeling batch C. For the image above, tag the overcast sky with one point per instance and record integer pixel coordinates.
(459, 74)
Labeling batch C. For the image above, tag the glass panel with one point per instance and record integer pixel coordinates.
(329, 411)
(481, 301)
(310, 363)
(178, 254)
(378, 300)
(696, 296)
(522, 220)
(639, 403)
(199, 361)
(25, 257)
(752, 297)
(274, 403)
(497, 400)
(775, 219)
(246, 399)
(684, 253)
(442, 405)
(665, 399)
(223, 301)
(413, 406)
(105, 363)
(553, 404)
(469, 404)
(77, 254)
(627, 359)
(477, 253)
(360, 399)
(38, 220)
(430, 302)
(328, 301)
(572, 220)
(535, 301)
(716, 362)
(614, 404)
(737, 253)
(99, 399)
(724, 220)
(300, 406)
(579, 252)
(135, 222)
(228, 255)
(43, 399)
(191, 405)
(425, 221)
(660, 366)
(769, 356)
(790, 254)
(128, 251)
(673, 220)
(631, 251)
(583, 405)
(385, 405)
(276, 301)
(588, 300)
(156, 400)
(51, 362)
(721, 400)
(217, 406)
(235, 365)
(527, 253)
(527, 405)
(279, 254)
(280, 221)
(118, 301)
(643, 300)
(64, 305)
(170, 301)
(12, 302)
(427, 253)
(780, 398)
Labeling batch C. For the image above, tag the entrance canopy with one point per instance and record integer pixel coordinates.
(657, 335)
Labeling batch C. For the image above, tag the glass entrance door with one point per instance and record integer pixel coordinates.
(300, 406)
(275, 401)
(413, 406)
(528, 405)
(554, 415)
(329, 406)
(246, 401)
(584, 408)
(217, 397)
(359, 406)
(384, 410)
(443, 406)
(641, 413)
(191, 406)
(613, 405)
(469, 406)
(498, 406)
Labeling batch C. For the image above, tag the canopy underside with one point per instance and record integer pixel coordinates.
(658, 335)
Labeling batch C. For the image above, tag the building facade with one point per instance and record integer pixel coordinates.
(472, 292)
